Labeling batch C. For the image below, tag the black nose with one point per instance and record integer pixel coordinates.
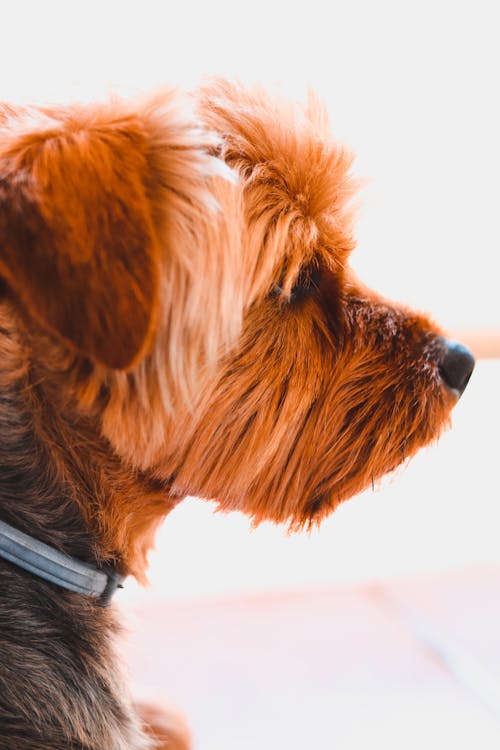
(456, 366)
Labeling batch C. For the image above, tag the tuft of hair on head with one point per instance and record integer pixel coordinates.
(297, 182)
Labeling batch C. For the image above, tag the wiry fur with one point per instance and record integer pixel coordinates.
(178, 316)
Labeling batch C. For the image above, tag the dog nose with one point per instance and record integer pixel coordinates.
(456, 366)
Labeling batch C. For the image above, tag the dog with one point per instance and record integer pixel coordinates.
(177, 317)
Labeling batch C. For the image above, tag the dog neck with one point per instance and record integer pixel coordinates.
(59, 686)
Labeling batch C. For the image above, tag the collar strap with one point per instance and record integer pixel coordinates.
(52, 565)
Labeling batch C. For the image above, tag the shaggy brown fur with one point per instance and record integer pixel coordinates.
(177, 316)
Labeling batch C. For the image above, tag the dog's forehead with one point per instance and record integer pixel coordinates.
(297, 180)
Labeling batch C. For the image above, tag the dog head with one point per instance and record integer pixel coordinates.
(190, 288)
(331, 386)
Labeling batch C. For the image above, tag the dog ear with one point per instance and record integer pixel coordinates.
(99, 214)
(77, 240)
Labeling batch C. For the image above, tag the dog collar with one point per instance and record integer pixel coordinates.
(52, 565)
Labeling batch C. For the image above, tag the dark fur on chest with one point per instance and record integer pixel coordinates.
(58, 685)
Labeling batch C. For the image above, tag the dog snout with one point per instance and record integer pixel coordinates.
(456, 366)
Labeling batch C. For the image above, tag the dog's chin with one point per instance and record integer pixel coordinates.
(303, 499)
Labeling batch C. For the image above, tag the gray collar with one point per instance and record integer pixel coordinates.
(52, 565)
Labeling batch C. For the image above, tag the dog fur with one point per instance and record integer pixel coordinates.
(177, 317)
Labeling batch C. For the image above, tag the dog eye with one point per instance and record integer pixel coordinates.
(307, 281)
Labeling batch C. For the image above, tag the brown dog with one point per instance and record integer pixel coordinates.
(177, 317)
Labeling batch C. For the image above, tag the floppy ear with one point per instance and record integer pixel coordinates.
(77, 241)
(111, 223)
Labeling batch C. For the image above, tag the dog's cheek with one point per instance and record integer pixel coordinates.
(243, 449)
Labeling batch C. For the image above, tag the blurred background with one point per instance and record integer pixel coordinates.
(382, 628)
